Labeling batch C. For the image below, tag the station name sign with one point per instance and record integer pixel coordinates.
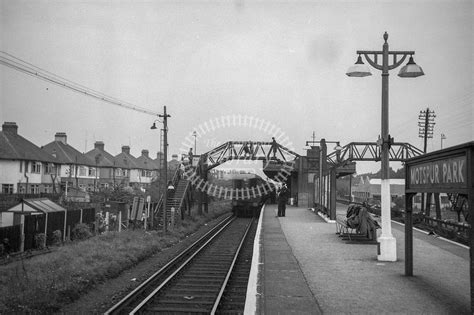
(445, 173)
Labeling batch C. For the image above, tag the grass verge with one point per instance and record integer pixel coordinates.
(45, 283)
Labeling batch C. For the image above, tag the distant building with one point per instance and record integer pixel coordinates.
(370, 189)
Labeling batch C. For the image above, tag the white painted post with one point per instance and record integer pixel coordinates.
(173, 210)
(148, 200)
(80, 220)
(107, 221)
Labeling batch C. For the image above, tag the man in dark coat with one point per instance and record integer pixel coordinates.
(283, 196)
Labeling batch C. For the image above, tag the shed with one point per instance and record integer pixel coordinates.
(33, 206)
(35, 213)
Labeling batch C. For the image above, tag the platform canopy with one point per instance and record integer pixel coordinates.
(36, 205)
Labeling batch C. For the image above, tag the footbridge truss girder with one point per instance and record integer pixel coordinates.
(247, 150)
(370, 151)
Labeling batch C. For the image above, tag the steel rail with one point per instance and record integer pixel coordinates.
(123, 303)
(139, 307)
(231, 268)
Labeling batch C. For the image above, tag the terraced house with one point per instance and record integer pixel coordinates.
(24, 167)
(57, 166)
(74, 168)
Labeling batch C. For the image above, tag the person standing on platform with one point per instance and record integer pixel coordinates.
(283, 196)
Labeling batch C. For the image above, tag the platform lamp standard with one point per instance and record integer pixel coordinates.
(194, 135)
(443, 137)
(388, 250)
(165, 164)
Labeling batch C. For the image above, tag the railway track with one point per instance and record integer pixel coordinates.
(197, 281)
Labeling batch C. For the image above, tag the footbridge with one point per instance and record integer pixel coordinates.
(311, 177)
(247, 150)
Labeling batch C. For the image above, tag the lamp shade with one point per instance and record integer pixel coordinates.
(338, 147)
(411, 70)
(359, 69)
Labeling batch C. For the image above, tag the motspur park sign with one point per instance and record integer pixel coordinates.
(448, 170)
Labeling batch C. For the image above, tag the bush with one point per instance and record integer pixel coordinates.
(81, 232)
(57, 237)
(40, 240)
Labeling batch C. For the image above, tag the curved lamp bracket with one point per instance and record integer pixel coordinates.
(397, 63)
(372, 63)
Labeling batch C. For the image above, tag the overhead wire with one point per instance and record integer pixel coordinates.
(23, 66)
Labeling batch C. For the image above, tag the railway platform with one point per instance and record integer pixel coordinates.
(305, 268)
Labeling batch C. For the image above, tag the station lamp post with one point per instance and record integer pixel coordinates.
(165, 164)
(388, 248)
(195, 135)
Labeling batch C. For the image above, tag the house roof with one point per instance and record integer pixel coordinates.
(104, 159)
(125, 160)
(66, 154)
(43, 205)
(147, 163)
(15, 147)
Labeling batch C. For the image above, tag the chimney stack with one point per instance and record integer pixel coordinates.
(145, 153)
(126, 149)
(99, 145)
(10, 127)
(61, 137)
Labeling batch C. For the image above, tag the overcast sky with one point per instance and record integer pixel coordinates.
(283, 62)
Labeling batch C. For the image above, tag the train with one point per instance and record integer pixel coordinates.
(248, 196)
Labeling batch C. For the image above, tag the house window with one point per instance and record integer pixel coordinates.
(49, 169)
(21, 189)
(82, 171)
(92, 171)
(70, 172)
(34, 189)
(7, 188)
(143, 173)
(48, 189)
(36, 167)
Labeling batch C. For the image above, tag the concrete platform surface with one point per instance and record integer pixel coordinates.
(307, 269)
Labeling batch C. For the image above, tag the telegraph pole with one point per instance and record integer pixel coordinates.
(425, 125)
(425, 130)
(165, 166)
